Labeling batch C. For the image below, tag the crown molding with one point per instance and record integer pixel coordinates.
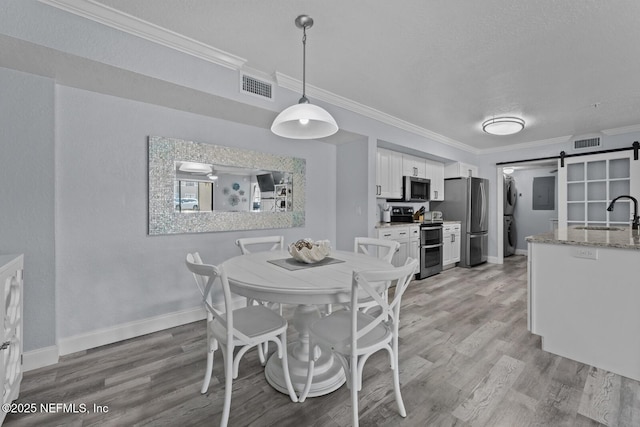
(525, 145)
(621, 130)
(130, 24)
(295, 85)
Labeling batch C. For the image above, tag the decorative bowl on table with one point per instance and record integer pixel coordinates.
(310, 252)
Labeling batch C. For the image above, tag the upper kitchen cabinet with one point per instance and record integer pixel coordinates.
(388, 174)
(435, 172)
(414, 166)
(459, 169)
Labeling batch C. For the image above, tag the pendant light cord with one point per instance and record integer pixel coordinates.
(304, 65)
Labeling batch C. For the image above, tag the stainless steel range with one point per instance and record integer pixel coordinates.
(430, 248)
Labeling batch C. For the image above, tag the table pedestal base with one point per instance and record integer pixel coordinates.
(328, 374)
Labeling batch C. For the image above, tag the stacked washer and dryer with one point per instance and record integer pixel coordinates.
(510, 199)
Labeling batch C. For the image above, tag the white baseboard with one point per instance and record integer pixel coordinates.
(524, 252)
(493, 260)
(46, 356)
(39, 358)
(125, 331)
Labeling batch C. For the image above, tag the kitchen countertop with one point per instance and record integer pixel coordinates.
(621, 239)
(395, 224)
(405, 224)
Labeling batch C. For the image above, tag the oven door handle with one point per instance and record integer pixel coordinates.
(431, 246)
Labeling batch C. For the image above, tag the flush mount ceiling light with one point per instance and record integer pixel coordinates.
(508, 171)
(304, 120)
(503, 125)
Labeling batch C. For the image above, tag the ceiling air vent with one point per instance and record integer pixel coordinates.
(256, 87)
(583, 144)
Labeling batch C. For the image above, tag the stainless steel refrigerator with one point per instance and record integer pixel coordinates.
(466, 200)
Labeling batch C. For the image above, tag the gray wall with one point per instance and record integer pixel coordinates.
(528, 221)
(109, 271)
(352, 192)
(27, 195)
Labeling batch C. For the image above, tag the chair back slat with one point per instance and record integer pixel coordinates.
(209, 275)
(375, 284)
(277, 243)
(385, 248)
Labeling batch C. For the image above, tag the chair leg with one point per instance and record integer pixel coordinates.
(262, 353)
(285, 367)
(354, 390)
(310, 369)
(396, 380)
(208, 372)
(228, 384)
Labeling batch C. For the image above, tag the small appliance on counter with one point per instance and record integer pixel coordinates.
(386, 213)
(432, 217)
(401, 214)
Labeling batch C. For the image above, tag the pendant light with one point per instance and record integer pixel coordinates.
(304, 120)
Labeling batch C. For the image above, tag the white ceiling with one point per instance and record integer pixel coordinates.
(568, 68)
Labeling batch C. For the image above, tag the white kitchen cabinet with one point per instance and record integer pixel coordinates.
(435, 172)
(414, 166)
(400, 234)
(583, 300)
(455, 243)
(414, 241)
(451, 244)
(11, 273)
(388, 174)
(459, 169)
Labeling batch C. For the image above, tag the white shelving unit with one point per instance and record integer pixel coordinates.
(283, 197)
(592, 184)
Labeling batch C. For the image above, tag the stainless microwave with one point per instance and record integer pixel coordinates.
(415, 189)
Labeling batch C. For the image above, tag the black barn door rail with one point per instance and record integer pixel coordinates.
(635, 147)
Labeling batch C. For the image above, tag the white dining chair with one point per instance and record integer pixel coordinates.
(353, 335)
(271, 243)
(276, 242)
(245, 327)
(381, 248)
(385, 249)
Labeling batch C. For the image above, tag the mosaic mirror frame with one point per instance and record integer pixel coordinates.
(163, 217)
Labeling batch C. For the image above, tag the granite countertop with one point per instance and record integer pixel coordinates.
(405, 224)
(619, 237)
(396, 224)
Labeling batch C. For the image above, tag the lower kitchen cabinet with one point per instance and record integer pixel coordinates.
(414, 242)
(409, 238)
(451, 244)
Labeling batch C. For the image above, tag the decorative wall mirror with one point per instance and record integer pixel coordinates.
(196, 187)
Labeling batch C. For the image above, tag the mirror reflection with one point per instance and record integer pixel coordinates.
(214, 187)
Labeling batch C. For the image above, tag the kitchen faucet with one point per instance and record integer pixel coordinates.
(635, 223)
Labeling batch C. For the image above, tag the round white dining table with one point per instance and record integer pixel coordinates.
(254, 276)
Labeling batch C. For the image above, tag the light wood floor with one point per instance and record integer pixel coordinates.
(466, 359)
